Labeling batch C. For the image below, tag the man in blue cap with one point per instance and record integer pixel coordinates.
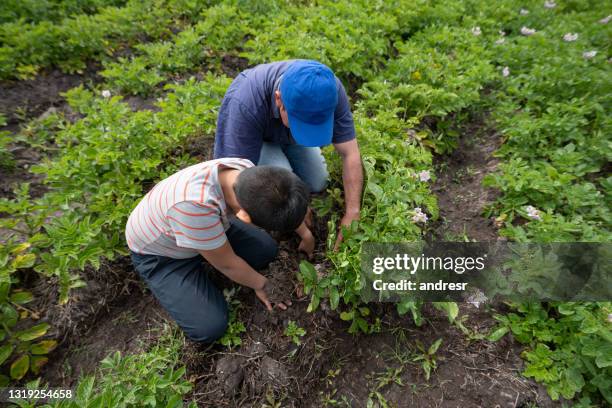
(280, 114)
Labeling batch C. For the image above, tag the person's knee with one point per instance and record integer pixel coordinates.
(318, 183)
(210, 328)
(271, 154)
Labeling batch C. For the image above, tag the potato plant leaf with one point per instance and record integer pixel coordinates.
(43, 347)
(5, 352)
(21, 298)
(33, 332)
(37, 362)
(20, 367)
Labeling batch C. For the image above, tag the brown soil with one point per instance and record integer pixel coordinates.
(24, 99)
(23, 158)
(232, 65)
(461, 195)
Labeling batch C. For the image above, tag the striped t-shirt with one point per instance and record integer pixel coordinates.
(184, 213)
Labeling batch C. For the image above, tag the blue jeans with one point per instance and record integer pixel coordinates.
(184, 289)
(307, 162)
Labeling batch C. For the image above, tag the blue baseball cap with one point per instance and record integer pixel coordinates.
(310, 94)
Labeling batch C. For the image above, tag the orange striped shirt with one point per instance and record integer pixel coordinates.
(184, 213)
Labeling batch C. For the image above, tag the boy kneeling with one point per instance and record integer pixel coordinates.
(209, 209)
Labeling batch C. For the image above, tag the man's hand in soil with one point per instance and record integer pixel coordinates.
(344, 222)
(262, 295)
(307, 244)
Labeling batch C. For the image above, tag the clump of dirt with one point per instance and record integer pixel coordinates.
(461, 196)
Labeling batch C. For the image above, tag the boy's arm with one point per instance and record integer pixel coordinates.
(231, 265)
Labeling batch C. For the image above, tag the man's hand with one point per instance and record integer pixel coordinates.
(262, 295)
(346, 222)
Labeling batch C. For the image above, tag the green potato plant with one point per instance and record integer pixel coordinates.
(20, 345)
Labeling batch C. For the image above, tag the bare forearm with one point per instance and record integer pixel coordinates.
(239, 271)
(352, 177)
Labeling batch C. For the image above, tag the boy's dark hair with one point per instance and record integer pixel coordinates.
(274, 197)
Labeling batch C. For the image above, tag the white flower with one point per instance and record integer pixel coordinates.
(533, 213)
(527, 31)
(424, 175)
(476, 31)
(550, 4)
(477, 298)
(569, 37)
(524, 12)
(502, 33)
(106, 94)
(419, 216)
(589, 54)
(500, 41)
(605, 20)
(609, 317)
(505, 72)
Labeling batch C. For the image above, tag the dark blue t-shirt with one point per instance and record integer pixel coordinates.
(249, 116)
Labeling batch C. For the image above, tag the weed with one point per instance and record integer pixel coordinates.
(294, 332)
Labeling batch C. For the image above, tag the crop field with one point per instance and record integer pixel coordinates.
(477, 121)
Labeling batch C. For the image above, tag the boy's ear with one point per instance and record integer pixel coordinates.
(243, 216)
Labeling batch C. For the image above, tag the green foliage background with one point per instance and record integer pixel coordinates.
(416, 71)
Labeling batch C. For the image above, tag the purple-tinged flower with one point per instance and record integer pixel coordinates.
(589, 54)
(527, 31)
(569, 37)
(419, 216)
(505, 72)
(533, 213)
(605, 20)
(424, 175)
(476, 298)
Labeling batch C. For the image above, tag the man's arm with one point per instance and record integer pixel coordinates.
(231, 265)
(352, 177)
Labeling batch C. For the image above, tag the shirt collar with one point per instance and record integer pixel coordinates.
(275, 110)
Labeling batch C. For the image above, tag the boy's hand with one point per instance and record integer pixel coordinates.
(262, 295)
(307, 244)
